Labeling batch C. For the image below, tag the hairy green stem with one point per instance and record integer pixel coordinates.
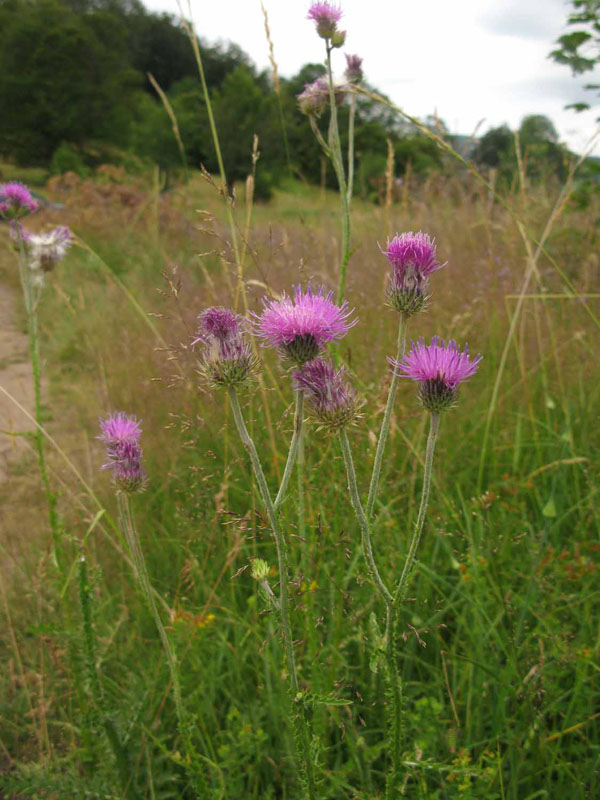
(402, 586)
(131, 534)
(385, 424)
(297, 439)
(288, 642)
(335, 149)
(362, 518)
(31, 298)
(351, 148)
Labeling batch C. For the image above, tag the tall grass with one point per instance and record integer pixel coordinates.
(499, 660)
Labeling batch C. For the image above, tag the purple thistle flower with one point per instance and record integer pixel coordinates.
(354, 73)
(327, 16)
(16, 200)
(439, 369)
(228, 357)
(315, 97)
(300, 326)
(413, 258)
(119, 427)
(121, 434)
(330, 397)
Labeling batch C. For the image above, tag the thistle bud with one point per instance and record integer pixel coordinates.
(329, 396)
(228, 358)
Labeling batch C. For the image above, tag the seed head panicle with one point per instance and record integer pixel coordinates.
(330, 398)
(439, 369)
(16, 200)
(300, 326)
(228, 359)
(412, 257)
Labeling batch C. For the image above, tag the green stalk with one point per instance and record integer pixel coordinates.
(297, 439)
(402, 586)
(335, 149)
(385, 424)
(351, 147)
(131, 534)
(31, 298)
(110, 729)
(394, 731)
(362, 518)
(303, 741)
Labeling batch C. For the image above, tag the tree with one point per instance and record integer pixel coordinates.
(64, 77)
(580, 49)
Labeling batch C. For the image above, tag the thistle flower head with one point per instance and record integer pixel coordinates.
(353, 73)
(16, 200)
(260, 569)
(121, 434)
(300, 326)
(326, 15)
(119, 427)
(413, 259)
(228, 359)
(329, 396)
(45, 250)
(314, 99)
(439, 369)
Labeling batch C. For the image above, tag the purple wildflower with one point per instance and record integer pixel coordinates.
(354, 73)
(315, 97)
(16, 200)
(413, 258)
(300, 326)
(228, 357)
(327, 16)
(439, 369)
(121, 434)
(119, 427)
(330, 397)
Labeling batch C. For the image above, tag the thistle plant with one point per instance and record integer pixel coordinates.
(299, 328)
(412, 257)
(121, 434)
(37, 253)
(313, 101)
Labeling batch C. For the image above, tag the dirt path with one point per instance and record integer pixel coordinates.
(15, 377)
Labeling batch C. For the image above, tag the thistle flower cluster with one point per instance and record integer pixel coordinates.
(121, 434)
(326, 16)
(228, 359)
(43, 250)
(300, 326)
(439, 369)
(353, 73)
(16, 200)
(314, 99)
(330, 397)
(412, 257)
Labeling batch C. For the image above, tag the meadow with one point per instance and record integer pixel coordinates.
(498, 645)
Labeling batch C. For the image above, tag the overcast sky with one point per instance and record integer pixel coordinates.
(467, 60)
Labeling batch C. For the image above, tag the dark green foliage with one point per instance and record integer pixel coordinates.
(65, 77)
